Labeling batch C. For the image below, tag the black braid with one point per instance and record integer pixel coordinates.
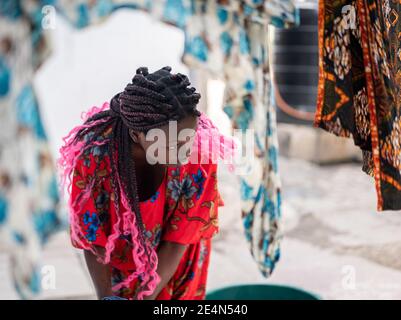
(150, 101)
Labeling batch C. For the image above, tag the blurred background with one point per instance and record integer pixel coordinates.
(335, 243)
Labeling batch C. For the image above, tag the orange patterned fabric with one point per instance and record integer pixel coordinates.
(359, 88)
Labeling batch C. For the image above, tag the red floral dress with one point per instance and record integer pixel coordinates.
(183, 210)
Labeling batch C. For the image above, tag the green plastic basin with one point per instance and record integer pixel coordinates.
(260, 292)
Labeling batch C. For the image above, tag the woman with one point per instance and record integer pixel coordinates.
(144, 220)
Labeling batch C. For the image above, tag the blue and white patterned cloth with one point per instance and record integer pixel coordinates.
(29, 200)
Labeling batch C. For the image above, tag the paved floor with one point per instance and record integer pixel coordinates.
(335, 244)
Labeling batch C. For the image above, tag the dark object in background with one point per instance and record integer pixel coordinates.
(296, 68)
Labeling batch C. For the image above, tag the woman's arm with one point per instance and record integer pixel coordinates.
(100, 274)
(169, 255)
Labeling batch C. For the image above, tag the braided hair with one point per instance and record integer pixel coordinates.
(150, 101)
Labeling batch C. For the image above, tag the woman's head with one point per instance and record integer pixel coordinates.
(159, 109)
(170, 144)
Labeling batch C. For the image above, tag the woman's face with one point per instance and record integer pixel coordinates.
(170, 144)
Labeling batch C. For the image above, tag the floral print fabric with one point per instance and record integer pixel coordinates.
(184, 209)
(29, 200)
(360, 82)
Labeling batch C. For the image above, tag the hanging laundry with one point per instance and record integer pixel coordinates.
(229, 39)
(29, 199)
(359, 87)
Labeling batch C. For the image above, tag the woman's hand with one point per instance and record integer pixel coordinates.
(169, 255)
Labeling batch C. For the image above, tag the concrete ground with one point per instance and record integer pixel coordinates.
(335, 244)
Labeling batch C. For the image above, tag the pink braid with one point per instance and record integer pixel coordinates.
(211, 145)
